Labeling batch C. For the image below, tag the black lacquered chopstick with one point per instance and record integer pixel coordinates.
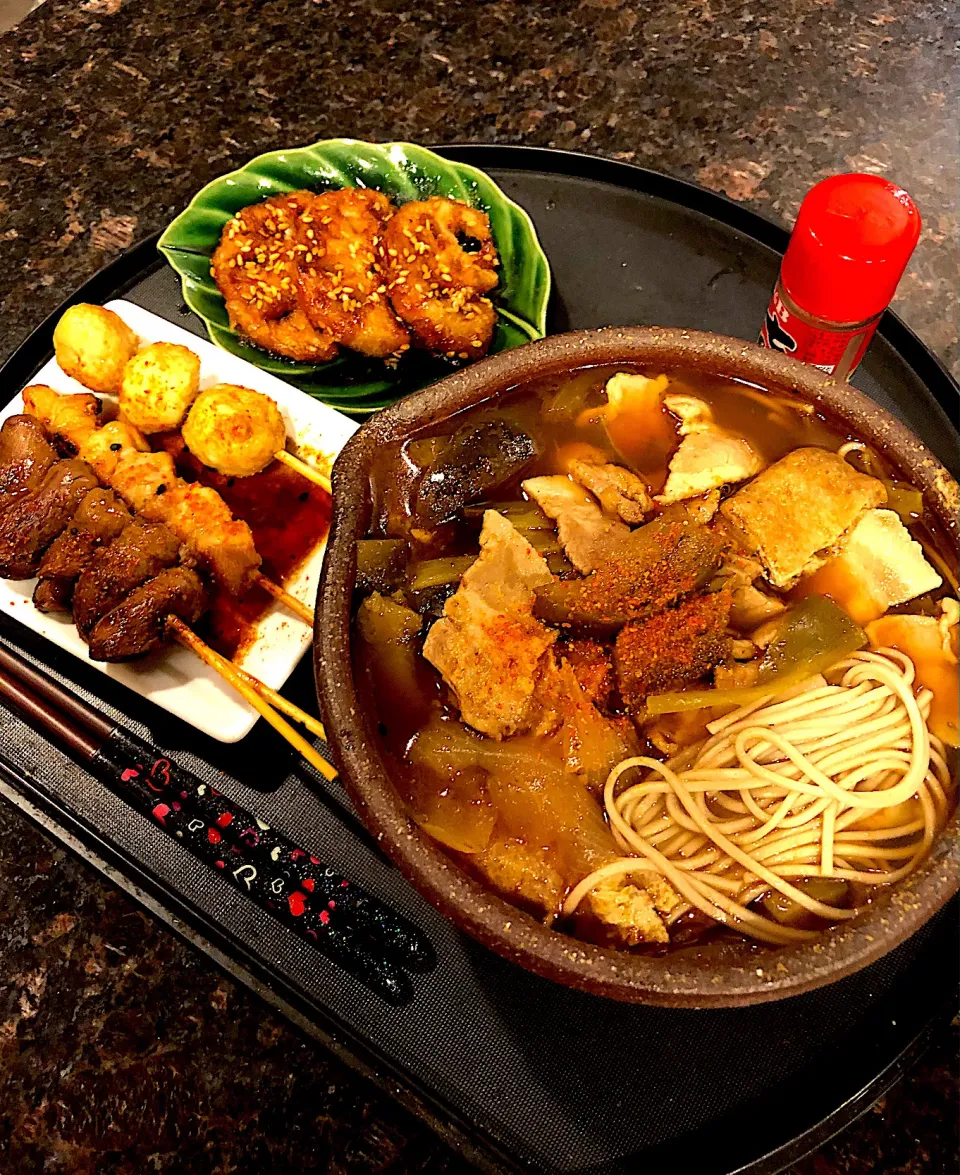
(347, 925)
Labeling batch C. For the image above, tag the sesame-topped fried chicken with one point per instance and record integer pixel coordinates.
(344, 292)
(257, 268)
(436, 286)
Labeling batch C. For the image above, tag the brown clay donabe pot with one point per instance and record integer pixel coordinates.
(712, 975)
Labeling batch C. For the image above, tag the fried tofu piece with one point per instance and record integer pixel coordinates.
(879, 566)
(487, 645)
(708, 457)
(620, 492)
(585, 534)
(521, 874)
(628, 912)
(671, 648)
(795, 514)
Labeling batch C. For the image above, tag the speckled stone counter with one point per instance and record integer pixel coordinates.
(120, 1049)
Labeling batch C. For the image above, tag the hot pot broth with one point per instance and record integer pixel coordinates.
(509, 719)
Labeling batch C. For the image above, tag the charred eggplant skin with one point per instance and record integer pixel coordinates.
(478, 459)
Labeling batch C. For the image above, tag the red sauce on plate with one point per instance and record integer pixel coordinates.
(289, 517)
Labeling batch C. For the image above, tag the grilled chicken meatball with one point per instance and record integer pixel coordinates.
(93, 345)
(30, 525)
(137, 624)
(158, 386)
(234, 430)
(25, 456)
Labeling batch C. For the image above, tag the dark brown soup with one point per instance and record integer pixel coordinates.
(659, 553)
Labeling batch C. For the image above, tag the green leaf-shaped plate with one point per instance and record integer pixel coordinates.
(403, 171)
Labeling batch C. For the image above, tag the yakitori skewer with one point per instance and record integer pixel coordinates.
(121, 577)
(232, 429)
(304, 469)
(149, 484)
(297, 607)
(255, 695)
(230, 672)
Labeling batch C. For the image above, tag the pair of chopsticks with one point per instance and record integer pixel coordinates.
(340, 920)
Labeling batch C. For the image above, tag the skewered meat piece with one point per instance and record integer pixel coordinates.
(142, 550)
(73, 424)
(67, 419)
(137, 624)
(103, 448)
(30, 525)
(99, 519)
(25, 456)
(196, 514)
(148, 483)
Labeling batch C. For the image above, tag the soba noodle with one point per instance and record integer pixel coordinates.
(785, 789)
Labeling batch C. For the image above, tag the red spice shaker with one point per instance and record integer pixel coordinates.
(851, 243)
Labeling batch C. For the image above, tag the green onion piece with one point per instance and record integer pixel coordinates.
(572, 397)
(546, 544)
(558, 563)
(523, 515)
(380, 563)
(436, 572)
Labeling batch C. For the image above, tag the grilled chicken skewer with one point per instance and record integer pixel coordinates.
(129, 580)
(148, 483)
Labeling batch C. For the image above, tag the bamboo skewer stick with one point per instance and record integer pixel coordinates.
(228, 671)
(305, 470)
(185, 636)
(297, 607)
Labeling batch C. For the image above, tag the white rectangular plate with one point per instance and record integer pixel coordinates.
(171, 676)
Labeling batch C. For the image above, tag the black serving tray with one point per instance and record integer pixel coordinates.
(514, 1071)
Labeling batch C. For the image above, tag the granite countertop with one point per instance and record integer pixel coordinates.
(121, 1050)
